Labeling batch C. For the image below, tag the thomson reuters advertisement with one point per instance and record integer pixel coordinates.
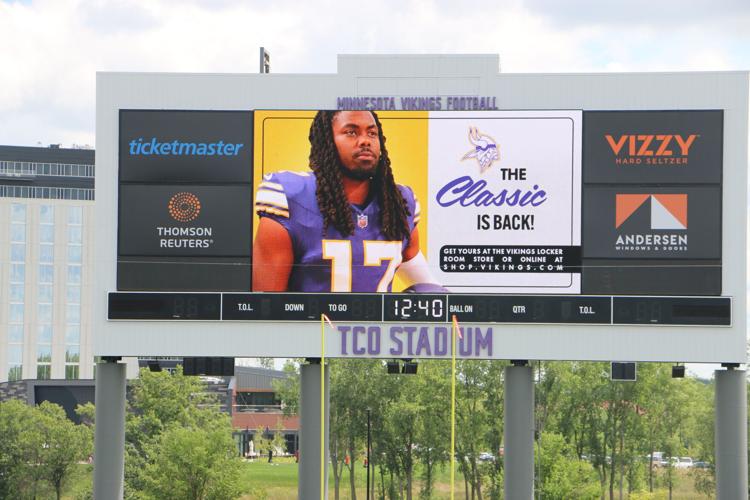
(184, 220)
(492, 198)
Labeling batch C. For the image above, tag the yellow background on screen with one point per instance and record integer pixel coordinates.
(281, 143)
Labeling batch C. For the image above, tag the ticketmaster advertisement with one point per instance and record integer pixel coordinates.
(492, 200)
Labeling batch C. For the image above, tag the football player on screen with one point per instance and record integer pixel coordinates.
(344, 226)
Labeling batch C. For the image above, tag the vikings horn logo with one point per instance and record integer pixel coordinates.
(485, 149)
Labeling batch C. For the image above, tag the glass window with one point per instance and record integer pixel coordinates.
(43, 372)
(14, 372)
(15, 354)
(15, 333)
(73, 314)
(46, 273)
(72, 354)
(45, 334)
(17, 273)
(17, 212)
(18, 232)
(17, 252)
(71, 372)
(16, 313)
(75, 216)
(17, 293)
(47, 214)
(74, 253)
(44, 353)
(75, 234)
(44, 313)
(74, 294)
(73, 334)
(46, 253)
(47, 233)
(74, 275)
(45, 293)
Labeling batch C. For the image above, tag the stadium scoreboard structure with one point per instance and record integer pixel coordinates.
(595, 225)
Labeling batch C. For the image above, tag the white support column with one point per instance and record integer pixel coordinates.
(519, 432)
(109, 434)
(309, 432)
(731, 434)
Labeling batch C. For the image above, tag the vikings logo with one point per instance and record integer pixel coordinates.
(485, 149)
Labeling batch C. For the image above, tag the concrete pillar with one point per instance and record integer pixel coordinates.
(730, 432)
(309, 432)
(519, 432)
(109, 434)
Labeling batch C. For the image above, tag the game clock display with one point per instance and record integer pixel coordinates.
(411, 307)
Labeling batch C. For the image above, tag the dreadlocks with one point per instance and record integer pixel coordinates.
(326, 164)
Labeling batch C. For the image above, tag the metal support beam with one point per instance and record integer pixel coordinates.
(731, 434)
(109, 434)
(309, 432)
(519, 432)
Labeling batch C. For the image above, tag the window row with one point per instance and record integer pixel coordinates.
(46, 235)
(44, 361)
(44, 313)
(46, 275)
(51, 193)
(23, 168)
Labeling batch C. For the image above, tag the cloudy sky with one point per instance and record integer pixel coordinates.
(51, 49)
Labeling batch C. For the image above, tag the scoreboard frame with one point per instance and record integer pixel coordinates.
(660, 341)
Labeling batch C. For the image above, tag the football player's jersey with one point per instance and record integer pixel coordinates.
(363, 262)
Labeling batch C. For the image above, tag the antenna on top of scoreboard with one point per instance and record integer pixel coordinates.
(265, 60)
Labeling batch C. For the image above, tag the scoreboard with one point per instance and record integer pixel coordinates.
(422, 308)
(604, 221)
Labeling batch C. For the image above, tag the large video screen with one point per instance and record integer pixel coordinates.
(510, 202)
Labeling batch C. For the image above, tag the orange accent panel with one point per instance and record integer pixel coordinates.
(676, 204)
(625, 205)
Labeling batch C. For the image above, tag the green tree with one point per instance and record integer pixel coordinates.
(160, 403)
(195, 463)
(287, 388)
(262, 443)
(15, 417)
(278, 442)
(267, 363)
(402, 417)
(565, 475)
(65, 444)
(87, 414)
(495, 411)
(471, 422)
(432, 393)
(38, 444)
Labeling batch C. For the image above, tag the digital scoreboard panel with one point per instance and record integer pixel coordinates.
(421, 308)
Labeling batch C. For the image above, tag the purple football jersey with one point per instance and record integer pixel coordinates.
(363, 262)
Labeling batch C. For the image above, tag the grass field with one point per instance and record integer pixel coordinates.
(278, 481)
